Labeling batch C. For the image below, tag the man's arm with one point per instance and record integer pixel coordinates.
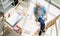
(35, 16)
(38, 23)
(44, 10)
(46, 16)
(35, 13)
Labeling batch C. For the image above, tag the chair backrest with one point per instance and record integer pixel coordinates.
(52, 22)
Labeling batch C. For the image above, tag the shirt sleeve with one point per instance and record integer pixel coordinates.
(35, 10)
(43, 9)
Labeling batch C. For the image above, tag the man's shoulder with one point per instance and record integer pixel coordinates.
(42, 7)
(35, 7)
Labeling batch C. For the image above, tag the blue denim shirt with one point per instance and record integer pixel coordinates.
(42, 14)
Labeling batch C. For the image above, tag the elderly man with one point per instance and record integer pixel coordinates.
(40, 12)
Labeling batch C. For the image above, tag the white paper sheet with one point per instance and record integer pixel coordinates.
(14, 18)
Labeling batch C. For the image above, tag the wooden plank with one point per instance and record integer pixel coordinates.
(52, 22)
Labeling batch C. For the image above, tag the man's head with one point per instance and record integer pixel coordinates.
(38, 5)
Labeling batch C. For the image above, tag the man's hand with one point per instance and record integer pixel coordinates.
(46, 17)
(38, 23)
